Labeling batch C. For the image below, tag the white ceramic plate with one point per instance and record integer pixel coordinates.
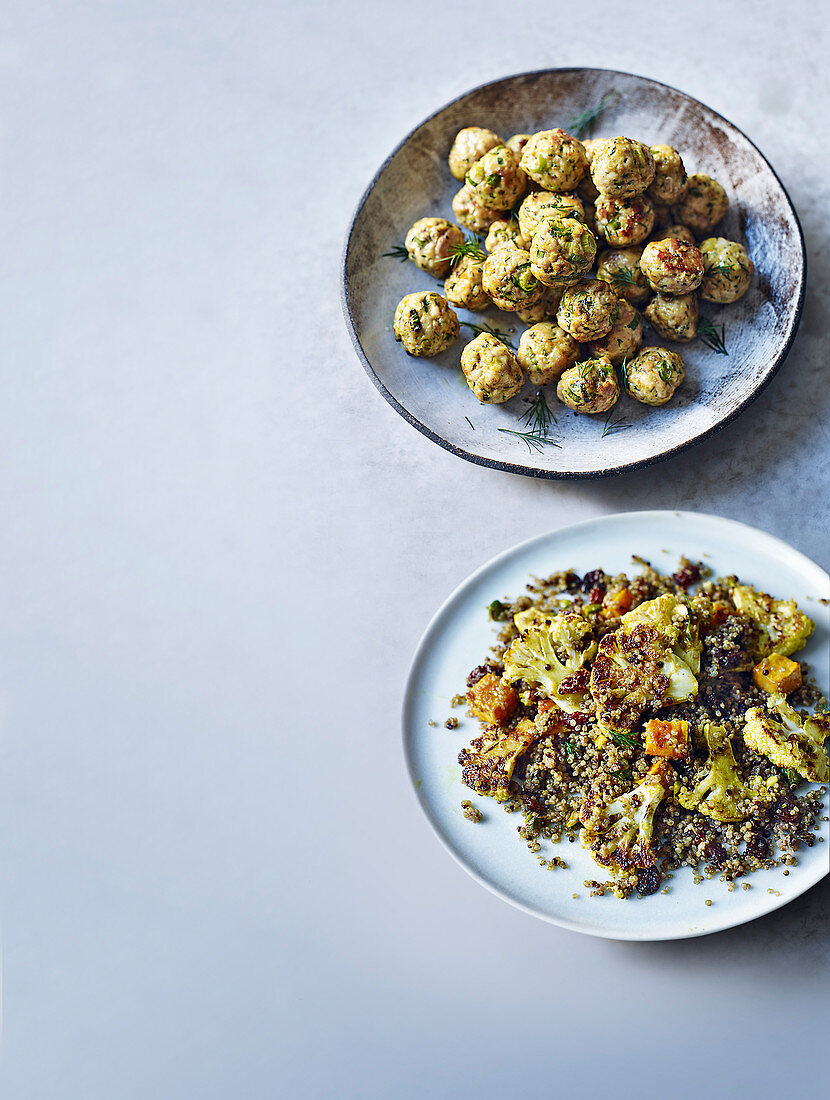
(458, 639)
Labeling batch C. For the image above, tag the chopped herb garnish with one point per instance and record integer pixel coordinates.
(623, 277)
(712, 336)
(634, 322)
(793, 777)
(471, 247)
(620, 738)
(664, 370)
(532, 440)
(610, 427)
(398, 252)
(582, 125)
(538, 414)
(569, 747)
(499, 334)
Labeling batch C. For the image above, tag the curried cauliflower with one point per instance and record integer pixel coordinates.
(789, 740)
(676, 623)
(618, 834)
(781, 626)
(721, 793)
(550, 653)
(487, 765)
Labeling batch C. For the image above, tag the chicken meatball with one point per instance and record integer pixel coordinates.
(625, 336)
(654, 375)
(624, 222)
(470, 145)
(517, 142)
(462, 286)
(425, 324)
(491, 370)
(496, 180)
(590, 387)
(430, 242)
(669, 183)
(505, 232)
(703, 205)
(562, 250)
(541, 204)
(621, 268)
(672, 266)
(543, 310)
(508, 279)
(555, 160)
(674, 318)
(469, 214)
(727, 270)
(545, 350)
(588, 311)
(676, 232)
(621, 167)
(585, 188)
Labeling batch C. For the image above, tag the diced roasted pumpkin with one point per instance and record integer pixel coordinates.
(492, 699)
(616, 604)
(669, 738)
(777, 675)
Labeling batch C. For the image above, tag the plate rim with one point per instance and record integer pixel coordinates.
(421, 651)
(521, 468)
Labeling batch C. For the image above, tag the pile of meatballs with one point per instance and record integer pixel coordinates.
(637, 200)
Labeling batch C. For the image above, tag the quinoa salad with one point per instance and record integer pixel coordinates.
(660, 721)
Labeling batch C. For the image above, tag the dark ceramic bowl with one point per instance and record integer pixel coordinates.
(432, 394)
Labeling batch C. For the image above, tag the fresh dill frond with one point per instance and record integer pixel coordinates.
(582, 125)
(538, 414)
(471, 247)
(623, 277)
(620, 738)
(398, 252)
(610, 427)
(472, 425)
(712, 336)
(532, 440)
(499, 334)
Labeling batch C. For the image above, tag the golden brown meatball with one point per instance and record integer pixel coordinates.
(540, 204)
(545, 350)
(462, 286)
(543, 310)
(555, 160)
(703, 205)
(625, 222)
(621, 167)
(496, 180)
(588, 311)
(561, 251)
(430, 242)
(621, 268)
(585, 188)
(654, 376)
(669, 183)
(491, 370)
(728, 270)
(590, 387)
(625, 336)
(469, 214)
(676, 232)
(674, 318)
(425, 324)
(470, 145)
(672, 266)
(509, 280)
(505, 232)
(517, 142)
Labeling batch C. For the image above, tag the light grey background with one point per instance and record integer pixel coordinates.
(219, 548)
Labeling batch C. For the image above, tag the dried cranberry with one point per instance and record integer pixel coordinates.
(715, 853)
(594, 579)
(688, 575)
(572, 582)
(758, 848)
(596, 595)
(648, 881)
(785, 809)
(477, 674)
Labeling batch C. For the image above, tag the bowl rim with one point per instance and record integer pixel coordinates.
(520, 468)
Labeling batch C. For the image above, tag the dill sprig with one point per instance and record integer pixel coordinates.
(623, 277)
(582, 125)
(610, 427)
(538, 414)
(398, 252)
(620, 738)
(534, 441)
(499, 334)
(471, 247)
(472, 425)
(712, 336)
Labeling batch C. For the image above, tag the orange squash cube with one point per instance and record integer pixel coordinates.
(777, 674)
(492, 700)
(616, 604)
(667, 738)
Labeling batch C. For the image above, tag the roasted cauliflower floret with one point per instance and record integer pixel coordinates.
(722, 794)
(782, 627)
(789, 740)
(487, 765)
(675, 621)
(618, 834)
(549, 654)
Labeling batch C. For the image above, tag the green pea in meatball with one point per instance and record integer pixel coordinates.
(674, 318)
(727, 270)
(508, 279)
(625, 336)
(543, 310)
(517, 142)
(491, 370)
(676, 232)
(625, 222)
(622, 167)
(621, 268)
(561, 251)
(425, 324)
(430, 242)
(541, 204)
(672, 266)
(703, 205)
(669, 183)
(555, 160)
(545, 350)
(654, 375)
(470, 145)
(463, 284)
(496, 180)
(588, 311)
(585, 188)
(469, 214)
(504, 233)
(590, 387)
